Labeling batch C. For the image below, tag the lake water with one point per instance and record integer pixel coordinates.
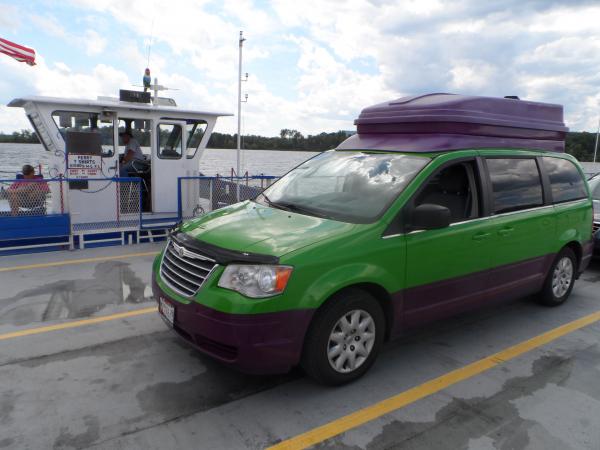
(214, 161)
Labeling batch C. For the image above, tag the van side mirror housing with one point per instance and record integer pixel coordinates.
(430, 217)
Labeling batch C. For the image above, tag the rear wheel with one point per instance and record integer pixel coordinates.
(560, 279)
(344, 338)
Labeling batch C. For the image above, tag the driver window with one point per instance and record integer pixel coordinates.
(453, 187)
(170, 144)
(140, 132)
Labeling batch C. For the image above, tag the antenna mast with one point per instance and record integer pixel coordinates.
(596, 145)
(239, 129)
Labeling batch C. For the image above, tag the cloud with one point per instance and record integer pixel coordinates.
(10, 18)
(49, 25)
(11, 120)
(60, 80)
(315, 64)
(90, 40)
(94, 43)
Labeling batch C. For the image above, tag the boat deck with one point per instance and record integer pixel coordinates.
(86, 362)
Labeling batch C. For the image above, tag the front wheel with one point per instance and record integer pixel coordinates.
(344, 338)
(560, 279)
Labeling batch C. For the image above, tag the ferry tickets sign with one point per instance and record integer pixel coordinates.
(84, 166)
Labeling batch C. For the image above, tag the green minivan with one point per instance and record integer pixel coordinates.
(439, 204)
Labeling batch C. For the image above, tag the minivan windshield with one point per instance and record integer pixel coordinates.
(354, 187)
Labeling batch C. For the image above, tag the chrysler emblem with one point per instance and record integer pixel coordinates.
(180, 250)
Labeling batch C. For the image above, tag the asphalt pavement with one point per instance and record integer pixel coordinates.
(86, 362)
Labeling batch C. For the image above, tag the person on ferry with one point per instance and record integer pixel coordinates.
(28, 194)
(131, 153)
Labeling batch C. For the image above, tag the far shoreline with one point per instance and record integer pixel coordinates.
(212, 148)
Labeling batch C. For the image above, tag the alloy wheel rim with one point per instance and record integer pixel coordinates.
(351, 341)
(562, 277)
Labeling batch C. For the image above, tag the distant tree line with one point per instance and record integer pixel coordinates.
(287, 140)
(581, 145)
(578, 144)
(20, 137)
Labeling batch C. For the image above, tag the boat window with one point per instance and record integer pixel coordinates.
(140, 130)
(195, 132)
(87, 121)
(355, 187)
(516, 184)
(170, 145)
(37, 132)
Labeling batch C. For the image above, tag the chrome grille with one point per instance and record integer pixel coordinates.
(595, 227)
(184, 270)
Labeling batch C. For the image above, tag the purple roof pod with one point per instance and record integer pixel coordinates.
(440, 122)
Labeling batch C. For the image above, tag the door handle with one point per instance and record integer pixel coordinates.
(505, 231)
(481, 236)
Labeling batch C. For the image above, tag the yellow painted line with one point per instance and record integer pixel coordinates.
(69, 262)
(77, 323)
(405, 398)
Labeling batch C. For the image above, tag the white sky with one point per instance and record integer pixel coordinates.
(313, 64)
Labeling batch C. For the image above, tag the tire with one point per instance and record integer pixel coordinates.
(341, 334)
(560, 279)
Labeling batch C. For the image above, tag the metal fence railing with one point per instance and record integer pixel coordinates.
(106, 204)
(31, 197)
(101, 206)
(199, 195)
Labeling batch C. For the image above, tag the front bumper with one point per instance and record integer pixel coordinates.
(252, 343)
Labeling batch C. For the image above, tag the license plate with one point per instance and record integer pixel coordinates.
(167, 310)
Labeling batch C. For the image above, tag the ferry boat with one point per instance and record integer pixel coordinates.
(82, 201)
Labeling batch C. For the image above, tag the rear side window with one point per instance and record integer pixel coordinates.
(516, 184)
(567, 183)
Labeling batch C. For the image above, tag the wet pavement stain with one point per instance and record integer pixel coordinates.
(596, 277)
(158, 374)
(68, 440)
(216, 386)
(7, 406)
(593, 279)
(118, 351)
(202, 392)
(6, 443)
(113, 283)
(495, 417)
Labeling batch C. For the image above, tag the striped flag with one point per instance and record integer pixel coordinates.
(18, 52)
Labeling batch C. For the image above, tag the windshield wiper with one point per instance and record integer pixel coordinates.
(302, 209)
(293, 207)
(274, 204)
(267, 199)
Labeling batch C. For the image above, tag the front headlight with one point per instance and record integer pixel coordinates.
(255, 281)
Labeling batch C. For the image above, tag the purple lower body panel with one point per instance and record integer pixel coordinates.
(252, 343)
(446, 298)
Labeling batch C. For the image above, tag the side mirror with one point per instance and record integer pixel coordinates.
(429, 217)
